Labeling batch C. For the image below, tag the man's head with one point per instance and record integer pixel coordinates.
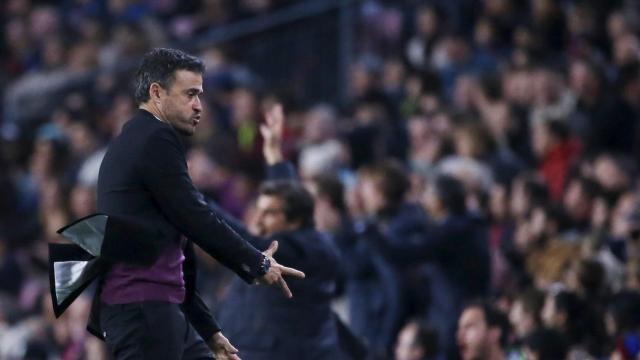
(416, 341)
(282, 206)
(169, 84)
(383, 186)
(525, 312)
(579, 196)
(445, 196)
(482, 331)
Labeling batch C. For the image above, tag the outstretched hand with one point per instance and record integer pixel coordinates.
(277, 271)
(272, 131)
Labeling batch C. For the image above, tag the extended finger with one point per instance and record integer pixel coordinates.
(230, 348)
(285, 288)
(273, 247)
(291, 272)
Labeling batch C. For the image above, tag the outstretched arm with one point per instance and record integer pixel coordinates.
(165, 174)
(272, 131)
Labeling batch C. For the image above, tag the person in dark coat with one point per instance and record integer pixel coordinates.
(259, 321)
(454, 252)
(379, 288)
(144, 175)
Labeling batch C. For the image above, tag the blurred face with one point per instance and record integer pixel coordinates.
(243, 105)
(465, 145)
(608, 174)
(270, 217)
(616, 25)
(427, 22)
(201, 169)
(542, 141)
(498, 202)
(522, 322)
(82, 201)
(180, 104)
(578, 205)
(406, 349)
(371, 196)
(473, 335)
(546, 87)
(626, 49)
(581, 79)
(431, 202)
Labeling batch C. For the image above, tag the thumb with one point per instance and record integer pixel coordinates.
(272, 248)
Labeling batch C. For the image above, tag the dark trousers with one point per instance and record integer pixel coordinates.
(150, 330)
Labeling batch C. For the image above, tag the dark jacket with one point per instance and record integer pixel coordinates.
(262, 323)
(456, 263)
(144, 175)
(377, 286)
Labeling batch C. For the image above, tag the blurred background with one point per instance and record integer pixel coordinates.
(532, 105)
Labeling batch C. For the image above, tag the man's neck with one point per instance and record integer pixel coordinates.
(153, 111)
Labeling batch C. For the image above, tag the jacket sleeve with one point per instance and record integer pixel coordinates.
(194, 308)
(165, 175)
(283, 170)
(236, 225)
(411, 247)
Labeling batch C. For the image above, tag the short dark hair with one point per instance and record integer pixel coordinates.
(329, 186)
(535, 189)
(493, 317)
(393, 180)
(589, 187)
(159, 66)
(558, 128)
(297, 201)
(451, 193)
(426, 337)
(532, 301)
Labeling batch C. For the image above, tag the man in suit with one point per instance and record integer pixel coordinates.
(148, 312)
(263, 324)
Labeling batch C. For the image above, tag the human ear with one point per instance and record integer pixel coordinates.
(154, 91)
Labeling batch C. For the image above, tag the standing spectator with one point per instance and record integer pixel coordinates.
(556, 151)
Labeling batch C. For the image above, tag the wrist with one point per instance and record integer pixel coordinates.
(273, 157)
(265, 265)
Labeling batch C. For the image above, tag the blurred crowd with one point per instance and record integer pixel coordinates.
(480, 179)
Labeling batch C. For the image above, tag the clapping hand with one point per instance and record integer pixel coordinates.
(277, 271)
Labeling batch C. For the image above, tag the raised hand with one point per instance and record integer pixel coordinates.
(272, 131)
(277, 271)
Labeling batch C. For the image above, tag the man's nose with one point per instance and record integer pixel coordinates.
(197, 105)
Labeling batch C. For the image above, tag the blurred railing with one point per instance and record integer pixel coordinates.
(302, 50)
